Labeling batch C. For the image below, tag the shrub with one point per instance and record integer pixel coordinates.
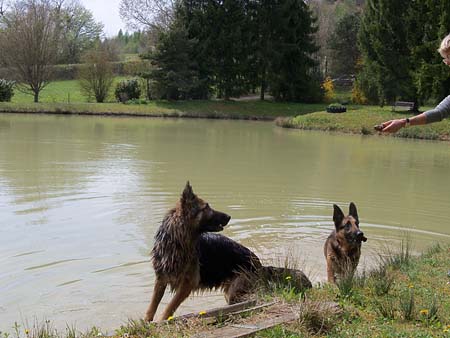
(127, 90)
(6, 90)
(328, 87)
(336, 108)
(96, 75)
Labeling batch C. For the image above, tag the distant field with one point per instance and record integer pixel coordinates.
(59, 92)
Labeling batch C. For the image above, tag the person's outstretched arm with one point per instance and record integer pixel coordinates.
(437, 114)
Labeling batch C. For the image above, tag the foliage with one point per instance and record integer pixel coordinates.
(430, 75)
(176, 74)
(127, 90)
(292, 72)
(221, 32)
(329, 14)
(386, 55)
(96, 76)
(6, 90)
(358, 96)
(29, 43)
(343, 45)
(79, 31)
(234, 47)
(328, 87)
(398, 40)
(133, 43)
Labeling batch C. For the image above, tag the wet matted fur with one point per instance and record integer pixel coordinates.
(342, 248)
(188, 257)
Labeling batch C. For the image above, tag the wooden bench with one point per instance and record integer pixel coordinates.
(410, 105)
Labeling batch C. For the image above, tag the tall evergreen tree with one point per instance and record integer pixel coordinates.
(176, 72)
(344, 45)
(223, 32)
(291, 74)
(386, 54)
(430, 74)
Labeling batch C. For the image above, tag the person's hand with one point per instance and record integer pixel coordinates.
(391, 126)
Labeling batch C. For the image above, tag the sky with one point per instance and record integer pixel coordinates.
(106, 12)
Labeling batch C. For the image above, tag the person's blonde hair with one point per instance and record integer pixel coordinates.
(444, 49)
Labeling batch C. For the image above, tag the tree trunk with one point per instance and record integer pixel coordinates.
(263, 83)
(36, 96)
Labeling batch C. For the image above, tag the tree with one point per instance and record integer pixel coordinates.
(430, 74)
(229, 43)
(328, 13)
(176, 73)
(79, 31)
(147, 14)
(293, 73)
(95, 75)
(344, 46)
(386, 56)
(29, 39)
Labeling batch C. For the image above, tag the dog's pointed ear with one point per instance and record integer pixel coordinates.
(353, 212)
(338, 216)
(188, 196)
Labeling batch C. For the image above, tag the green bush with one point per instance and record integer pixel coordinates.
(127, 90)
(6, 90)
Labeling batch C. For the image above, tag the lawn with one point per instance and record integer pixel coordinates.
(66, 97)
(67, 91)
(362, 119)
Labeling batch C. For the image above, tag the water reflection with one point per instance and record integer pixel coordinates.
(81, 198)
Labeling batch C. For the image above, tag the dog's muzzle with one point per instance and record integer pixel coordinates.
(360, 237)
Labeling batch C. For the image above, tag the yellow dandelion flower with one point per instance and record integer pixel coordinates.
(410, 286)
(445, 330)
(424, 312)
(170, 318)
(288, 277)
(201, 313)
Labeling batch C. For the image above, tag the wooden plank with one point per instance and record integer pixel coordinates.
(219, 311)
(246, 330)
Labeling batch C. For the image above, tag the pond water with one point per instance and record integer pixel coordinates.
(82, 197)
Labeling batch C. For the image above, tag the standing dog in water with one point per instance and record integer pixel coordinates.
(343, 247)
(189, 257)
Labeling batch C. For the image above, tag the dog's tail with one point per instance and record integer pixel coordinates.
(284, 276)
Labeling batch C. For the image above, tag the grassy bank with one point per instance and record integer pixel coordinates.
(362, 119)
(205, 109)
(403, 296)
(65, 97)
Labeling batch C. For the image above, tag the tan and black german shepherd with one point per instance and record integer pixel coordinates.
(342, 248)
(188, 257)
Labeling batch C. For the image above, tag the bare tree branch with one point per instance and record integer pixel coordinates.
(147, 14)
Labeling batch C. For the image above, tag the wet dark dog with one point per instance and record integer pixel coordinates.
(188, 257)
(343, 247)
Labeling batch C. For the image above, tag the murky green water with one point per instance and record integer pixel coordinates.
(81, 198)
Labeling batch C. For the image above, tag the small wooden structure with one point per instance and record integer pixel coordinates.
(410, 105)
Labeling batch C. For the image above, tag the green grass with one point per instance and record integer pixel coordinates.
(416, 304)
(66, 97)
(59, 92)
(362, 119)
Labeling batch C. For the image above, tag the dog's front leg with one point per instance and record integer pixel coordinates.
(180, 295)
(330, 271)
(158, 293)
